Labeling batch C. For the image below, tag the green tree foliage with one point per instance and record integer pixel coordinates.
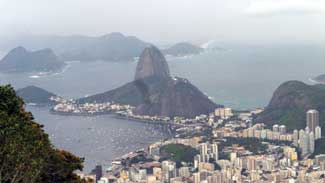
(178, 152)
(289, 104)
(26, 153)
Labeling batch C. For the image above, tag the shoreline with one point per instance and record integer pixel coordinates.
(166, 129)
(80, 114)
(115, 115)
(312, 80)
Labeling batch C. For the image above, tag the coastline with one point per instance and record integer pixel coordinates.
(80, 114)
(312, 80)
(87, 127)
(36, 75)
(115, 115)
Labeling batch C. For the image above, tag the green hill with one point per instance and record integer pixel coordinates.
(290, 102)
(33, 94)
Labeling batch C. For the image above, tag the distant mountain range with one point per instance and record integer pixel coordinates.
(110, 47)
(155, 92)
(21, 60)
(290, 102)
(36, 95)
(182, 49)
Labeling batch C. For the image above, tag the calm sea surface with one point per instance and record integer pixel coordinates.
(242, 78)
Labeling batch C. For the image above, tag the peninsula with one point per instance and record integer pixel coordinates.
(155, 92)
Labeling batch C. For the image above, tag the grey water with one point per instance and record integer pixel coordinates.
(241, 78)
(98, 139)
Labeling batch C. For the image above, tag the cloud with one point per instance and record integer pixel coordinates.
(280, 7)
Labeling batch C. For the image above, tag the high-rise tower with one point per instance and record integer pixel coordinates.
(312, 119)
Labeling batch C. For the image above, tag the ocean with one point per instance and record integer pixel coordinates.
(239, 77)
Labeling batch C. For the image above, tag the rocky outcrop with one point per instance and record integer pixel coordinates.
(290, 102)
(152, 63)
(175, 97)
(21, 60)
(159, 96)
(154, 92)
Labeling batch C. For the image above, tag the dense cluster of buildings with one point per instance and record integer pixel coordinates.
(305, 139)
(285, 159)
(145, 118)
(72, 108)
(223, 112)
(259, 131)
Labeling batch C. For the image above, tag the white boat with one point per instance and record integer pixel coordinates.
(34, 76)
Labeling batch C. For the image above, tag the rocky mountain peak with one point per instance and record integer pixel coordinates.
(152, 63)
(20, 51)
(155, 93)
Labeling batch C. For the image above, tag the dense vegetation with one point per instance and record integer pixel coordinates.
(291, 101)
(178, 152)
(26, 153)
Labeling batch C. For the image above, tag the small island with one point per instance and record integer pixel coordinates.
(182, 49)
(21, 60)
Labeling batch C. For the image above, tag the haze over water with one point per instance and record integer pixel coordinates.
(241, 78)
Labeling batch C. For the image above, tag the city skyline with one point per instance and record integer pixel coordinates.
(162, 91)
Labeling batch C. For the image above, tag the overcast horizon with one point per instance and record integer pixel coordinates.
(243, 21)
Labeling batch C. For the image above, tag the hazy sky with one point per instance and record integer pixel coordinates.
(170, 20)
